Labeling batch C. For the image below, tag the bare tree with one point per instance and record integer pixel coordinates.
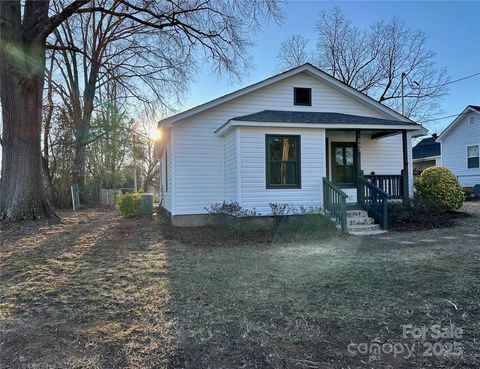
(97, 49)
(374, 60)
(293, 52)
(210, 27)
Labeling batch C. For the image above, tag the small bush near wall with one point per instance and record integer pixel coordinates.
(438, 185)
(130, 204)
(281, 211)
(227, 214)
(231, 208)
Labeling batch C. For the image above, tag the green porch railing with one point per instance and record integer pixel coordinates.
(374, 200)
(335, 202)
(391, 184)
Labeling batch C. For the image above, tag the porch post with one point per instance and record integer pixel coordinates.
(406, 169)
(358, 169)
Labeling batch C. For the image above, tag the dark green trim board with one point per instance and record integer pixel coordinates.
(298, 162)
(406, 169)
(327, 156)
(357, 153)
(353, 145)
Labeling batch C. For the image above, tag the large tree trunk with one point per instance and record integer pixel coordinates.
(22, 68)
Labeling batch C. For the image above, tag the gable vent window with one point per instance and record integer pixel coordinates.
(473, 157)
(472, 120)
(302, 96)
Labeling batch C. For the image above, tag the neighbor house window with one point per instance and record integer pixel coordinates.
(283, 161)
(473, 156)
(472, 120)
(302, 96)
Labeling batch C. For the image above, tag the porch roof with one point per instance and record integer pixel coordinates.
(325, 120)
(280, 116)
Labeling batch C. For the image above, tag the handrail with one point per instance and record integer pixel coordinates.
(335, 202)
(390, 183)
(374, 200)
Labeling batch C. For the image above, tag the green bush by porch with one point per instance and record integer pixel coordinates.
(440, 186)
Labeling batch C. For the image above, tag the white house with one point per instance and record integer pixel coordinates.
(460, 143)
(283, 140)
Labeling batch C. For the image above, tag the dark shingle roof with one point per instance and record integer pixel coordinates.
(426, 148)
(279, 116)
(475, 107)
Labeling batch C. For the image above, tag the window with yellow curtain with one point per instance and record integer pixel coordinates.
(282, 161)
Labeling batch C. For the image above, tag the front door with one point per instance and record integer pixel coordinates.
(344, 163)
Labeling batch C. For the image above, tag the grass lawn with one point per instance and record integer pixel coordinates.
(100, 291)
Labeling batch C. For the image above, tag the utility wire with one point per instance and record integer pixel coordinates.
(445, 117)
(447, 83)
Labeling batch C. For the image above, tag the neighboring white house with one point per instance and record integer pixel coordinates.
(275, 141)
(460, 144)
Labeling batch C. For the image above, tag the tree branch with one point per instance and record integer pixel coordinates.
(56, 20)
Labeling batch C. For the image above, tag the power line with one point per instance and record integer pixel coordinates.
(445, 117)
(447, 83)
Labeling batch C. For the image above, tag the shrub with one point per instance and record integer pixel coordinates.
(130, 204)
(231, 208)
(440, 186)
(281, 210)
(226, 213)
(416, 211)
(419, 214)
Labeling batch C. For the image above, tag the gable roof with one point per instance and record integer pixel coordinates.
(305, 68)
(451, 126)
(426, 148)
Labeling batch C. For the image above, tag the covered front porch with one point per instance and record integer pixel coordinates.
(365, 169)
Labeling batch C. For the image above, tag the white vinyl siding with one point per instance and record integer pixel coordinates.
(199, 153)
(454, 149)
(230, 173)
(254, 193)
(166, 175)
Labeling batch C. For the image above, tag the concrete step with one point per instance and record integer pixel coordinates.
(356, 213)
(351, 221)
(364, 227)
(367, 233)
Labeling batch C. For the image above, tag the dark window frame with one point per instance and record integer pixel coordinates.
(295, 102)
(298, 166)
(473, 159)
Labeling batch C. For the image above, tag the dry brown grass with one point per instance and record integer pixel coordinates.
(100, 291)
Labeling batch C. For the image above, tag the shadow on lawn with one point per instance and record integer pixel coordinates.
(101, 301)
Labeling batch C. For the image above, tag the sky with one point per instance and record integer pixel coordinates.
(452, 28)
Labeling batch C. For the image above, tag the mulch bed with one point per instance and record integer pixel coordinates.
(441, 220)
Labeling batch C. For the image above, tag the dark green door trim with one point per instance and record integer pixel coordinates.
(343, 174)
